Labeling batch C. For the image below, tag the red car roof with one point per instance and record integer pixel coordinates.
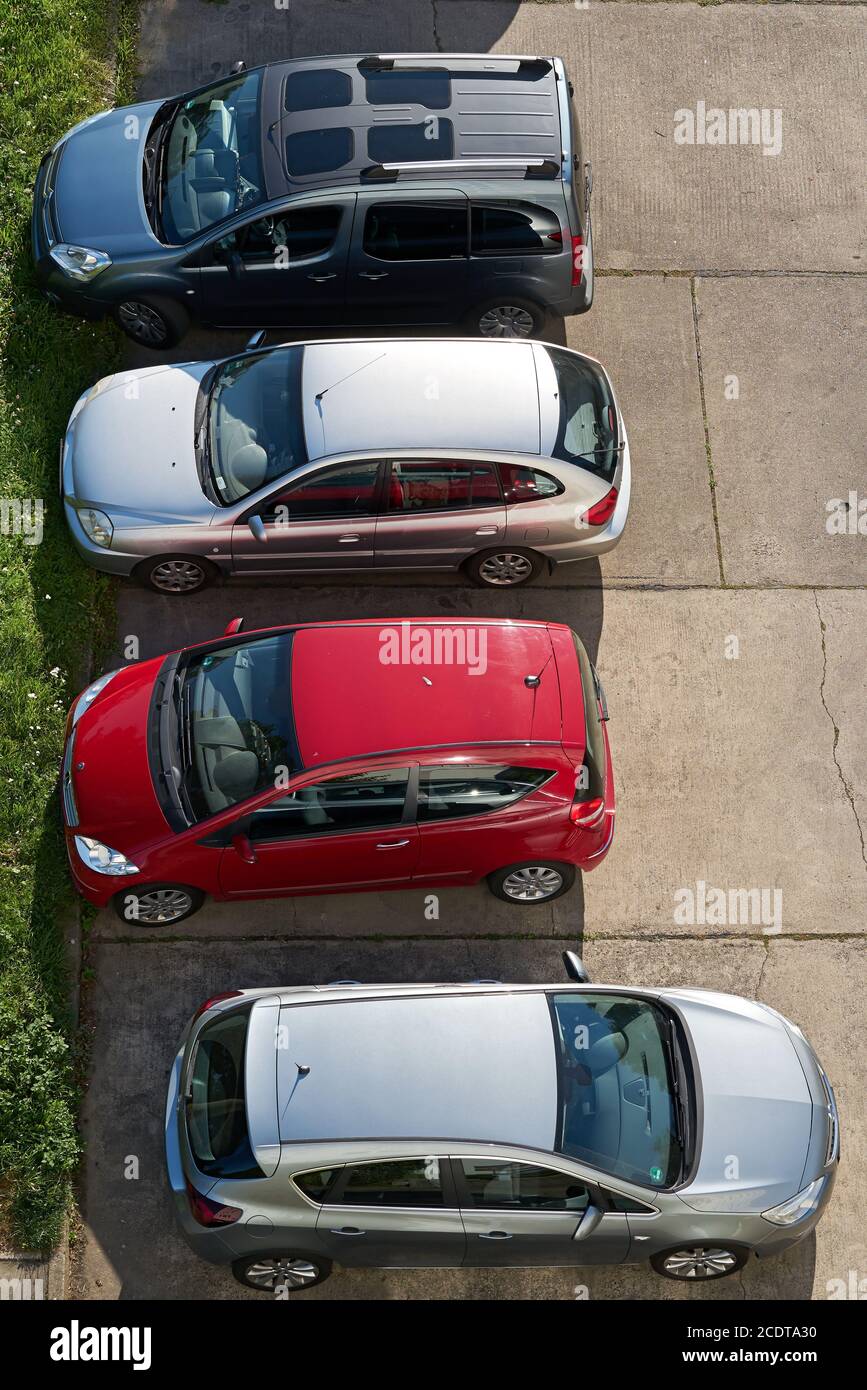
(356, 689)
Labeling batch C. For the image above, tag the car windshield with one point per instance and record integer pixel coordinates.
(587, 430)
(212, 165)
(255, 427)
(618, 1109)
(236, 734)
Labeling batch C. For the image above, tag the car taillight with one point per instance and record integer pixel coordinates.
(587, 814)
(577, 260)
(209, 1213)
(215, 999)
(602, 511)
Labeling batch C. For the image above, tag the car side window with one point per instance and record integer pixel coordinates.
(404, 1182)
(617, 1202)
(336, 806)
(512, 228)
(449, 792)
(282, 238)
(416, 231)
(494, 1183)
(435, 485)
(332, 492)
(522, 484)
(317, 1184)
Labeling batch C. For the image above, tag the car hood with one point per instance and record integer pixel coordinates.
(132, 449)
(111, 778)
(757, 1109)
(98, 195)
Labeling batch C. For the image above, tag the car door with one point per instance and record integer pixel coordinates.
(281, 267)
(337, 834)
(531, 1214)
(438, 511)
(325, 520)
(393, 1213)
(408, 261)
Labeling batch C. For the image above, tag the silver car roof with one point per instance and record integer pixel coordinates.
(420, 393)
(478, 1066)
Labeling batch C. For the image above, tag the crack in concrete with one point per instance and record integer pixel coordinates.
(847, 789)
(438, 46)
(704, 420)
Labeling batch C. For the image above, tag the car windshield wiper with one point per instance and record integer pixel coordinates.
(679, 1107)
(202, 437)
(155, 149)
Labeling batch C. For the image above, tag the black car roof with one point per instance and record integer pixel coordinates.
(330, 121)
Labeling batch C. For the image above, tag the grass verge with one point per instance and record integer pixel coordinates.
(62, 60)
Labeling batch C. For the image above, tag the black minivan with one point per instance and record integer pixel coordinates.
(378, 190)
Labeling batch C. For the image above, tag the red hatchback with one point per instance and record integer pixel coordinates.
(333, 757)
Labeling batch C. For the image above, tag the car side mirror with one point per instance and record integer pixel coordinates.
(242, 846)
(235, 265)
(588, 1223)
(239, 66)
(257, 526)
(234, 626)
(256, 341)
(575, 968)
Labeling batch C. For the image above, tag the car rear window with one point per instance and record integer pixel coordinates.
(514, 228)
(594, 757)
(216, 1109)
(587, 429)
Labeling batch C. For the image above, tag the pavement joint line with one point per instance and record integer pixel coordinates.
(847, 790)
(626, 272)
(636, 935)
(706, 426)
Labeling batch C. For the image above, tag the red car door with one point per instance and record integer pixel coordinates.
(337, 834)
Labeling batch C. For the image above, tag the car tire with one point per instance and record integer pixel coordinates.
(513, 563)
(176, 574)
(531, 877)
(152, 323)
(691, 1257)
(506, 317)
(173, 902)
(309, 1271)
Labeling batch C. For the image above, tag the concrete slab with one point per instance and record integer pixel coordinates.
(131, 1250)
(659, 205)
(792, 440)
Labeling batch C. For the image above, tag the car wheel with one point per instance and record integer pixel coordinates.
(270, 1273)
(696, 1264)
(157, 904)
(151, 324)
(533, 882)
(506, 317)
(176, 574)
(505, 568)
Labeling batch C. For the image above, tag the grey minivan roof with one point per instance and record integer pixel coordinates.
(479, 1067)
(427, 394)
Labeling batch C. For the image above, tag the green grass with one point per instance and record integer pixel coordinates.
(61, 61)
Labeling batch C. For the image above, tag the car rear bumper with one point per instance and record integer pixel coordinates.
(597, 540)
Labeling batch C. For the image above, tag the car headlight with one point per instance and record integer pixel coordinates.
(79, 261)
(87, 697)
(101, 859)
(97, 526)
(797, 1208)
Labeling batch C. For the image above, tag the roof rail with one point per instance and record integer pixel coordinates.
(533, 167)
(385, 62)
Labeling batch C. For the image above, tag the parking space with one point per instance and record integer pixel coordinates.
(737, 709)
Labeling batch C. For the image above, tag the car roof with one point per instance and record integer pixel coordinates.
(338, 119)
(356, 690)
(430, 1065)
(420, 393)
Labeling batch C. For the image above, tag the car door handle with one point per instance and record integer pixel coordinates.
(495, 1235)
(348, 1231)
(349, 539)
(392, 844)
(320, 278)
(373, 274)
(488, 531)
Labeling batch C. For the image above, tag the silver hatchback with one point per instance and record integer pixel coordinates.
(487, 1125)
(503, 458)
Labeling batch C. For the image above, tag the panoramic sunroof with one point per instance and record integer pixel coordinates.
(389, 144)
(318, 151)
(431, 87)
(316, 90)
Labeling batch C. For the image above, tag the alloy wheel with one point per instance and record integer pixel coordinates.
(161, 905)
(177, 576)
(272, 1274)
(142, 322)
(700, 1263)
(532, 884)
(505, 569)
(506, 321)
